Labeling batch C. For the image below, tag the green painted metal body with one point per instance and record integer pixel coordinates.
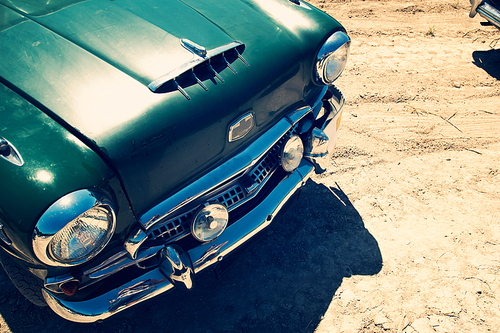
(76, 104)
(55, 163)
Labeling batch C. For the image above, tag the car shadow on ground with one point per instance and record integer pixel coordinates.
(489, 61)
(284, 283)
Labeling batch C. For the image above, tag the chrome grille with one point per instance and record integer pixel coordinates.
(272, 159)
(231, 197)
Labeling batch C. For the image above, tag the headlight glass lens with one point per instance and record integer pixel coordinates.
(84, 236)
(210, 222)
(335, 63)
(332, 58)
(292, 153)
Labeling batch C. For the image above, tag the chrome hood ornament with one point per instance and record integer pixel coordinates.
(194, 48)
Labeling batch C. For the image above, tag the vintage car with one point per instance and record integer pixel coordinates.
(143, 142)
(488, 9)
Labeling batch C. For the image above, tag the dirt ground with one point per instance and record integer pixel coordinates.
(401, 234)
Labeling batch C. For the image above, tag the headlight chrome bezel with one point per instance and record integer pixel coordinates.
(336, 48)
(63, 212)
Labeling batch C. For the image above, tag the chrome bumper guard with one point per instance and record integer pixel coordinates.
(177, 267)
(486, 10)
(321, 142)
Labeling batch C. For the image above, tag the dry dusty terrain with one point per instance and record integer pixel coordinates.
(402, 232)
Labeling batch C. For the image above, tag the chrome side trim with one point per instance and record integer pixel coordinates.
(154, 282)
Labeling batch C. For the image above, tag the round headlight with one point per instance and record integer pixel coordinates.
(292, 153)
(83, 237)
(210, 222)
(74, 229)
(332, 58)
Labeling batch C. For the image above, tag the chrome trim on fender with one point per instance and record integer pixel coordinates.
(9, 153)
(154, 282)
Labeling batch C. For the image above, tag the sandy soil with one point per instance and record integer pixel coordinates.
(401, 233)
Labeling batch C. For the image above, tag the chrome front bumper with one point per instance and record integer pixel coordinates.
(155, 282)
(486, 9)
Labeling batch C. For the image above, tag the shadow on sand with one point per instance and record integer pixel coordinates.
(489, 61)
(284, 283)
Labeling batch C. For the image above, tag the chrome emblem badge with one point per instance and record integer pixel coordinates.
(241, 127)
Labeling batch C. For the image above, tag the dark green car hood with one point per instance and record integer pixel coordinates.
(88, 65)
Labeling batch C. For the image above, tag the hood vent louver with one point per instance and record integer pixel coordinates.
(206, 65)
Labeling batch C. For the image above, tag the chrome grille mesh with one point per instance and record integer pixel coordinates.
(230, 197)
(272, 159)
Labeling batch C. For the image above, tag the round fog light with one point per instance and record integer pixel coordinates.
(292, 153)
(210, 222)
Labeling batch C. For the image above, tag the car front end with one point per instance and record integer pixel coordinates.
(145, 153)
